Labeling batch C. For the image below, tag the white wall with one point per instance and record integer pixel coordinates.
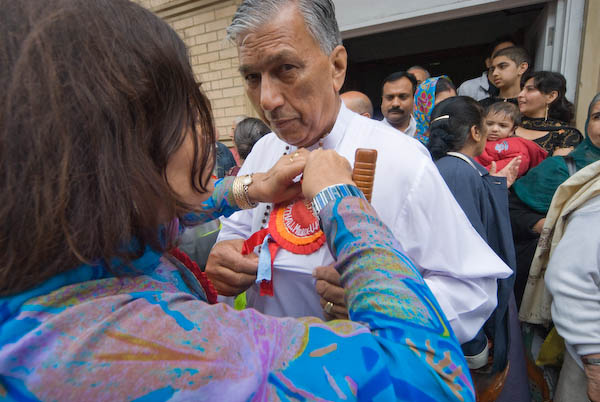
(362, 17)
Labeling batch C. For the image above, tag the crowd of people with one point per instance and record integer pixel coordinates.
(143, 260)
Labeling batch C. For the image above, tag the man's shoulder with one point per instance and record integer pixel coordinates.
(269, 139)
(473, 82)
(265, 152)
(477, 88)
(378, 133)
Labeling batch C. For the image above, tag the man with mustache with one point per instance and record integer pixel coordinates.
(293, 64)
(397, 101)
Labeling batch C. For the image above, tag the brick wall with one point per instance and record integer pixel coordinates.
(201, 24)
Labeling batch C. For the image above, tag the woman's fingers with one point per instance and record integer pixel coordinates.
(324, 168)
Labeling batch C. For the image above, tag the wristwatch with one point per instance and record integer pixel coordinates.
(332, 193)
(240, 192)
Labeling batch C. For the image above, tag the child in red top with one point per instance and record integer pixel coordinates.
(500, 122)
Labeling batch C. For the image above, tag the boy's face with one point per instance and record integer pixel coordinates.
(498, 126)
(505, 72)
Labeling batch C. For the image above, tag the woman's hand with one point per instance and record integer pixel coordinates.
(539, 226)
(510, 171)
(562, 151)
(323, 169)
(278, 184)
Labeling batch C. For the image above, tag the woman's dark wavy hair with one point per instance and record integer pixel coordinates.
(548, 81)
(451, 134)
(96, 97)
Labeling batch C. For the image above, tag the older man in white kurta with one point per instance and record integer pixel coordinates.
(293, 65)
(412, 198)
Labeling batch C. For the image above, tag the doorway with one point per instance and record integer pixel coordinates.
(455, 47)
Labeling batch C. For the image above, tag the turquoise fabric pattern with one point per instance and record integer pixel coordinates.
(424, 103)
(150, 336)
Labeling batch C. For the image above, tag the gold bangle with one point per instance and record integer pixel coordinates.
(240, 192)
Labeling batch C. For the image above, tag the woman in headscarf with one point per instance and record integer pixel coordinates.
(456, 138)
(107, 146)
(428, 94)
(532, 195)
(547, 113)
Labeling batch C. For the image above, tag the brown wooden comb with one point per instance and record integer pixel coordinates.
(363, 173)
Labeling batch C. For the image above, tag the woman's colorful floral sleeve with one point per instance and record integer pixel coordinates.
(221, 203)
(399, 345)
(89, 336)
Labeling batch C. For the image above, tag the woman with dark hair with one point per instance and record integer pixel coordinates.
(428, 94)
(247, 133)
(547, 113)
(106, 149)
(456, 137)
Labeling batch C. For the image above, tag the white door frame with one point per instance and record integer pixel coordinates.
(558, 31)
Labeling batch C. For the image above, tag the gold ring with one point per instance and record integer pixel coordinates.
(296, 154)
(328, 307)
(291, 158)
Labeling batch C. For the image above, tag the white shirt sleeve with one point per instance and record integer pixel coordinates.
(573, 279)
(457, 264)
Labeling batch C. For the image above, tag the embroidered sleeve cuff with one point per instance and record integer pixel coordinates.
(221, 203)
(332, 193)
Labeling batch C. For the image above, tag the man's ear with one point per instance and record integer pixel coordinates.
(488, 62)
(523, 67)
(339, 63)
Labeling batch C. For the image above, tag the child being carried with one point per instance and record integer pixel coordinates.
(500, 122)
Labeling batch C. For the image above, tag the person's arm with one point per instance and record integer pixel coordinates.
(573, 280)
(565, 141)
(526, 223)
(592, 372)
(408, 334)
(386, 293)
(562, 151)
(153, 339)
(220, 203)
(458, 266)
(163, 342)
(275, 185)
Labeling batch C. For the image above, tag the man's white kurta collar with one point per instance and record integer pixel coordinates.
(410, 130)
(335, 136)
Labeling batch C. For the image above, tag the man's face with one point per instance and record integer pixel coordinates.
(291, 82)
(397, 101)
(504, 72)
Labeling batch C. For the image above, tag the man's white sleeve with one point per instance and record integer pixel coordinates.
(573, 279)
(457, 264)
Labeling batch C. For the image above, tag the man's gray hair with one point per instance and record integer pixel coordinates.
(319, 17)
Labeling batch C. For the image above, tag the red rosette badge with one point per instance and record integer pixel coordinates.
(295, 228)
